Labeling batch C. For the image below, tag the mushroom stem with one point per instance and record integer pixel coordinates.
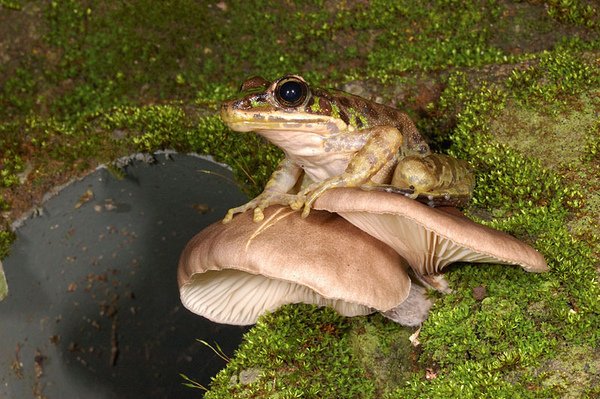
(413, 311)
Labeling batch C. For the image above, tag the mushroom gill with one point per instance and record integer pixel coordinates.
(428, 238)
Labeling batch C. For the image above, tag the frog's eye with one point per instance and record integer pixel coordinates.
(291, 92)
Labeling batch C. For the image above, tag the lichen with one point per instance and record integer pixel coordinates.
(574, 372)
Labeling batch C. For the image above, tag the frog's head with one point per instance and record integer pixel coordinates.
(287, 104)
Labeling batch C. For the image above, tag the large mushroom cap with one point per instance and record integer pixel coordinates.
(428, 238)
(232, 273)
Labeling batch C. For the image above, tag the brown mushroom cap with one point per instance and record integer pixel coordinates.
(428, 238)
(232, 273)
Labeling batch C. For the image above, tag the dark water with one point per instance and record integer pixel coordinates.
(93, 310)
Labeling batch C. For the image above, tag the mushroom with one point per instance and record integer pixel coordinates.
(428, 238)
(232, 273)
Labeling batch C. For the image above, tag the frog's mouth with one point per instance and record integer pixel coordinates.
(257, 121)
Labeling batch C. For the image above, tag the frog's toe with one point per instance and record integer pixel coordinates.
(306, 211)
(297, 203)
(258, 214)
(412, 195)
(240, 209)
(308, 203)
(228, 217)
(231, 213)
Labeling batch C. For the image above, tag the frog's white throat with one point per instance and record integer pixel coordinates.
(309, 150)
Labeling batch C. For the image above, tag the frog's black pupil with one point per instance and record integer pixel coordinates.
(291, 92)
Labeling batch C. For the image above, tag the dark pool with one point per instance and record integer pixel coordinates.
(93, 310)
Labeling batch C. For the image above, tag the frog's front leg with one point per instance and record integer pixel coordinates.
(379, 154)
(283, 179)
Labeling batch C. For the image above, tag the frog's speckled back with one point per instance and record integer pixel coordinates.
(362, 113)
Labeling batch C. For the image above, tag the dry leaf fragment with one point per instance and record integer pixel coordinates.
(85, 197)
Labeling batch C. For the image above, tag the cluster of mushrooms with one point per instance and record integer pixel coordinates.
(354, 253)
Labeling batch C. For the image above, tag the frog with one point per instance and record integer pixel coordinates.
(332, 139)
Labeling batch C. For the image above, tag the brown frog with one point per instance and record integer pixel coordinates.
(335, 139)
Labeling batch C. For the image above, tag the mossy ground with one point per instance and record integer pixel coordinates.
(513, 87)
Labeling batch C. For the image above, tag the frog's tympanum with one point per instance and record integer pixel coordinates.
(334, 139)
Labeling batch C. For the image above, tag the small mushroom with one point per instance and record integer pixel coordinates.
(232, 273)
(428, 238)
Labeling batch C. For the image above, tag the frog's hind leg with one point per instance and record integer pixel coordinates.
(380, 149)
(436, 179)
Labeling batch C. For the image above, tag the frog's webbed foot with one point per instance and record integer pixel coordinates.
(259, 203)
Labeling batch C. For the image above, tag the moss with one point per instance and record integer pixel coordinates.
(439, 35)
(174, 126)
(6, 238)
(558, 75)
(289, 345)
(576, 12)
(11, 5)
(384, 351)
(178, 48)
(565, 137)
(502, 333)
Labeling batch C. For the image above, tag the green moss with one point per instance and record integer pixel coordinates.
(6, 238)
(15, 93)
(566, 136)
(441, 34)
(524, 317)
(576, 12)
(12, 164)
(12, 5)
(287, 347)
(176, 49)
(335, 111)
(384, 351)
(591, 151)
(154, 127)
(558, 75)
